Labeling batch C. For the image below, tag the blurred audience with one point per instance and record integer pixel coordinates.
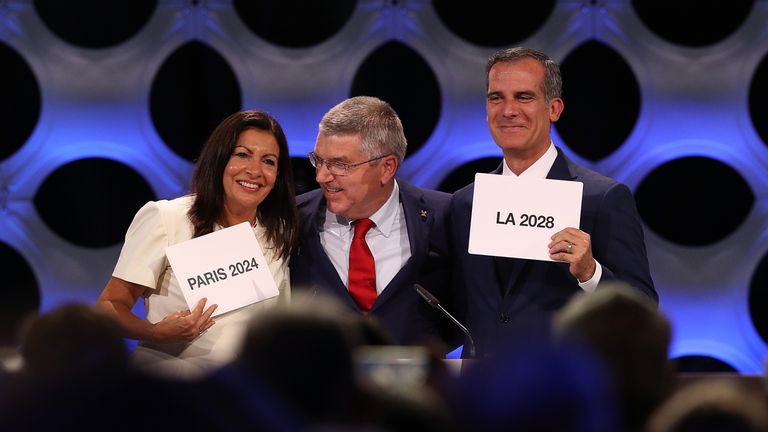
(304, 354)
(314, 366)
(73, 339)
(17, 306)
(712, 405)
(534, 387)
(76, 376)
(626, 332)
(10, 357)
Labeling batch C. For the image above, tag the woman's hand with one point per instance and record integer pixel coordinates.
(119, 297)
(184, 326)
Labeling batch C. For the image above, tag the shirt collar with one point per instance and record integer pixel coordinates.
(540, 168)
(384, 217)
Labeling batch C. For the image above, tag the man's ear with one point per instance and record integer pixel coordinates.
(389, 166)
(556, 107)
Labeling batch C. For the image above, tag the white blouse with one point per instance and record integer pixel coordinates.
(142, 261)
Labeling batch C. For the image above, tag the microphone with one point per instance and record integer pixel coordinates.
(435, 303)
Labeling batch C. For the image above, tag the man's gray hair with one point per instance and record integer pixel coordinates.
(553, 81)
(373, 119)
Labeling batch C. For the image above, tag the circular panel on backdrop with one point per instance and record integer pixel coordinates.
(602, 100)
(91, 202)
(493, 23)
(758, 299)
(758, 109)
(693, 23)
(295, 23)
(21, 294)
(399, 75)
(303, 174)
(700, 363)
(94, 23)
(194, 90)
(694, 201)
(20, 102)
(465, 174)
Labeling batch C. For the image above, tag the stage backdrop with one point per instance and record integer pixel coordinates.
(104, 106)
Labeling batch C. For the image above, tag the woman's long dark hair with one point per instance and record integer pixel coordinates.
(277, 213)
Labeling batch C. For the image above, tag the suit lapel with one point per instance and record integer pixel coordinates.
(418, 220)
(560, 169)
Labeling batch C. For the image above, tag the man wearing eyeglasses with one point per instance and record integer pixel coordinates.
(366, 238)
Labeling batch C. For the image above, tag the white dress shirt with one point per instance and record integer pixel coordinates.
(387, 240)
(540, 169)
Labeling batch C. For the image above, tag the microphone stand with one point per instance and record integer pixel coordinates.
(432, 301)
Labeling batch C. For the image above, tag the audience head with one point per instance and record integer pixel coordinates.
(629, 335)
(534, 387)
(303, 353)
(370, 331)
(73, 339)
(712, 405)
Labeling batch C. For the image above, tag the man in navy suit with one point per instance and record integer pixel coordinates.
(510, 299)
(359, 148)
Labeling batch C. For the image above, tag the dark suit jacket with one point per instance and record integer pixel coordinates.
(403, 314)
(509, 299)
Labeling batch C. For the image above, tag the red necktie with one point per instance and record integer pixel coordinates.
(362, 268)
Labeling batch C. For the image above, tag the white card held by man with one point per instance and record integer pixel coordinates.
(516, 216)
(227, 267)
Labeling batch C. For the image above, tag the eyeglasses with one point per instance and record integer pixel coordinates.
(336, 167)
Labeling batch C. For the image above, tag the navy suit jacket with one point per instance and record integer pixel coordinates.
(400, 310)
(508, 299)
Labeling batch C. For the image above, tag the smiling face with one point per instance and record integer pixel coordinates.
(363, 190)
(519, 117)
(249, 175)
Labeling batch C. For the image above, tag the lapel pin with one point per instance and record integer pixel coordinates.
(423, 213)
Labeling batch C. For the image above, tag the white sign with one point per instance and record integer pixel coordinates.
(227, 267)
(516, 216)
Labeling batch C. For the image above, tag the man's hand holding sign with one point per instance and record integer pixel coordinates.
(575, 247)
(531, 219)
